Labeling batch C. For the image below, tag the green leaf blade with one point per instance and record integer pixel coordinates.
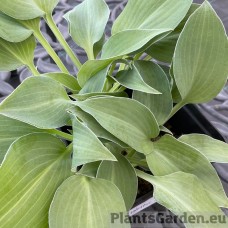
(66, 80)
(87, 24)
(132, 79)
(34, 103)
(160, 104)
(122, 174)
(29, 181)
(85, 96)
(170, 156)
(116, 116)
(131, 41)
(95, 84)
(90, 68)
(163, 50)
(10, 131)
(183, 194)
(199, 68)
(153, 14)
(87, 147)
(11, 30)
(214, 150)
(29, 9)
(15, 55)
(96, 197)
(90, 169)
(95, 127)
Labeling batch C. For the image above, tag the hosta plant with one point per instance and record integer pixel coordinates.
(164, 52)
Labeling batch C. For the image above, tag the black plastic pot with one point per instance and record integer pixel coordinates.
(190, 120)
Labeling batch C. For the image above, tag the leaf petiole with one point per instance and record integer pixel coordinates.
(50, 51)
(62, 41)
(176, 108)
(63, 135)
(33, 69)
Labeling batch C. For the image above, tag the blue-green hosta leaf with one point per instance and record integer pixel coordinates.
(90, 68)
(160, 104)
(34, 167)
(95, 199)
(122, 174)
(175, 92)
(82, 97)
(95, 127)
(10, 130)
(98, 46)
(87, 147)
(133, 79)
(131, 41)
(163, 50)
(214, 150)
(113, 49)
(33, 24)
(39, 101)
(153, 14)
(66, 80)
(170, 155)
(199, 68)
(126, 119)
(15, 55)
(96, 83)
(87, 24)
(183, 194)
(28, 9)
(139, 24)
(90, 169)
(11, 30)
(93, 67)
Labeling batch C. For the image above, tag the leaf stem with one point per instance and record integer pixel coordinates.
(63, 135)
(90, 54)
(50, 51)
(137, 162)
(113, 67)
(143, 175)
(176, 108)
(131, 153)
(148, 58)
(137, 56)
(33, 69)
(115, 87)
(62, 41)
(69, 149)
